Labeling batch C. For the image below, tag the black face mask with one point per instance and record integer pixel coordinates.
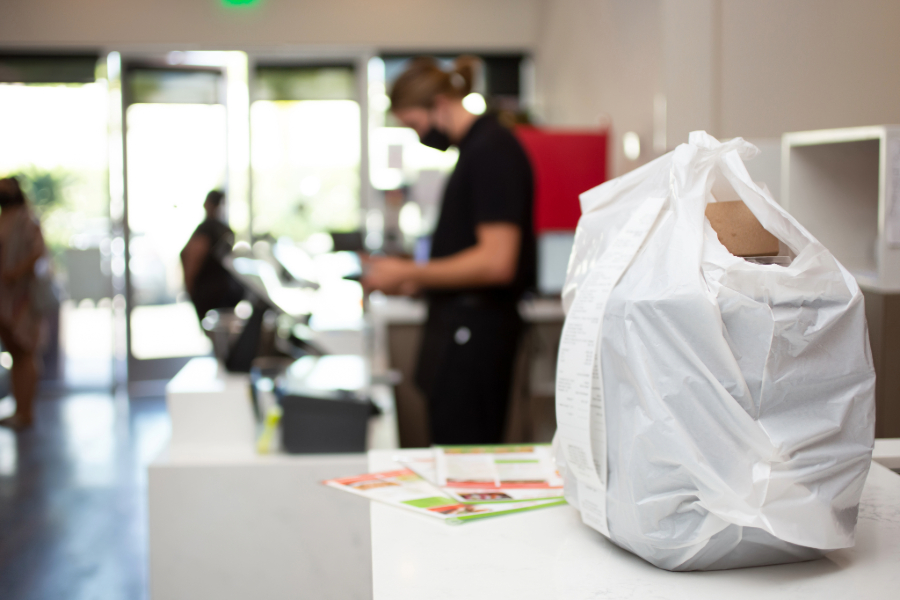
(435, 139)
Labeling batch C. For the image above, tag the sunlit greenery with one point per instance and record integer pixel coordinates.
(64, 202)
(55, 142)
(305, 158)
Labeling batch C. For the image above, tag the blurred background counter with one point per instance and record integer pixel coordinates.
(228, 522)
(397, 324)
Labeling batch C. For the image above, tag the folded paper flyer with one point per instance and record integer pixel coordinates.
(488, 474)
(406, 489)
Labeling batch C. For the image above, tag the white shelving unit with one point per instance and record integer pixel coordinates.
(843, 185)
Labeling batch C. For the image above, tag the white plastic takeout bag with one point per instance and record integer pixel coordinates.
(712, 413)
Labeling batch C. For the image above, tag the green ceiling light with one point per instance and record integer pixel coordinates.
(240, 3)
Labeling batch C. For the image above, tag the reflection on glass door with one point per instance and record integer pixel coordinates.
(176, 153)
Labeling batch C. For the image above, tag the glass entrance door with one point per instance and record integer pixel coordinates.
(176, 142)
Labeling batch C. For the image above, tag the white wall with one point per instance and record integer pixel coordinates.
(598, 60)
(750, 68)
(808, 64)
(208, 24)
(690, 42)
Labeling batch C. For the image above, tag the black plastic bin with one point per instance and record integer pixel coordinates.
(330, 422)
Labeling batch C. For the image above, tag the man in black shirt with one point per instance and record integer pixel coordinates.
(492, 183)
(205, 279)
(482, 258)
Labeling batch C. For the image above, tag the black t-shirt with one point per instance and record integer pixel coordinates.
(492, 183)
(214, 287)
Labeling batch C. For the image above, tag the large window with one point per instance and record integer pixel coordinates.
(305, 141)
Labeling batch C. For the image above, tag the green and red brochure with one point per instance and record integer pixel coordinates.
(480, 474)
(406, 489)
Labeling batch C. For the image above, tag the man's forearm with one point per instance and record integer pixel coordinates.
(469, 268)
(190, 274)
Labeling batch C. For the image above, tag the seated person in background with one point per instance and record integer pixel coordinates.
(205, 279)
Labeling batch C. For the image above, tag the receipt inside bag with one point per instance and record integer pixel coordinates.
(713, 411)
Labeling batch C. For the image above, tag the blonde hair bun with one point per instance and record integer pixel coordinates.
(466, 67)
(424, 79)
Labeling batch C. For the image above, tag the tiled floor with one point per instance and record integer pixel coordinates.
(73, 498)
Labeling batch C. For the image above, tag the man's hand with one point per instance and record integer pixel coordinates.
(390, 275)
(492, 261)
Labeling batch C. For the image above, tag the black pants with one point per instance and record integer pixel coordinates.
(223, 293)
(465, 369)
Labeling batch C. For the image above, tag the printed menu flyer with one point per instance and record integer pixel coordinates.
(488, 474)
(406, 489)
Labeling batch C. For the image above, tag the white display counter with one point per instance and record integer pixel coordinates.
(230, 524)
(887, 453)
(210, 407)
(397, 328)
(402, 309)
(549, 554)
(233, 526)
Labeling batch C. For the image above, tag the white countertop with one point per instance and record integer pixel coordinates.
(550, 554)
(204, 374)
(402, 310)
(887, 452)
